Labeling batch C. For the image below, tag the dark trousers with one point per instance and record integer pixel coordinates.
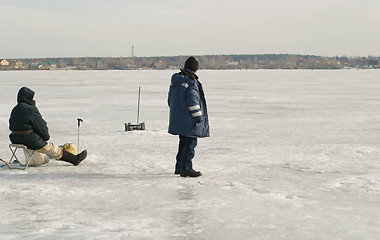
(186, 152)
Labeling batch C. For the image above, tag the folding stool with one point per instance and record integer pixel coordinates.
(30, 156)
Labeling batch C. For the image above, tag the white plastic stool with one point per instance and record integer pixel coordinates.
(32, 157)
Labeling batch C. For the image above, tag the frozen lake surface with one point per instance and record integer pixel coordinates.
(292, 155)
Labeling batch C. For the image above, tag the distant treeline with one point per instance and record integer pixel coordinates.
(262, 61)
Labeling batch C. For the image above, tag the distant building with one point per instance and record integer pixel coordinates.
(33, 64)
(4, 62)
(53, 65)
(20, 64)
(47, 65)
(44, 66)
(232, 63)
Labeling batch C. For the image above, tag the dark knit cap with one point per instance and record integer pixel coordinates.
(192, 64)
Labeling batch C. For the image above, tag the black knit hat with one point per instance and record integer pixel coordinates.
(192, 64)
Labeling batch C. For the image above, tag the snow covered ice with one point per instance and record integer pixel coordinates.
(292, 155)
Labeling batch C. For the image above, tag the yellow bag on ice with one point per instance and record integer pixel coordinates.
(70, 148)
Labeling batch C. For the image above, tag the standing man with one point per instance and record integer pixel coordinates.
(188, 115)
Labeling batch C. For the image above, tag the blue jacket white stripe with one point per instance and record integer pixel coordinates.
(188, 110)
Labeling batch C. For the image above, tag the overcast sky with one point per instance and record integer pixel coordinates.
(72, 28)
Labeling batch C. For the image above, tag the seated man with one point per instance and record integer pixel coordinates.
(30, 129)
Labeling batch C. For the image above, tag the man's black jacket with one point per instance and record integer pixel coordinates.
(25, 116)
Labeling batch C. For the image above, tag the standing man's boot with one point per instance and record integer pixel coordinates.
(191, 173)
(73, 159)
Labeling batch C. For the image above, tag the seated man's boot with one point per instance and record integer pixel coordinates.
(73, 159)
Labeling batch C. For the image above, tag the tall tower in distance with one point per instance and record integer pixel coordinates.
(133, 50)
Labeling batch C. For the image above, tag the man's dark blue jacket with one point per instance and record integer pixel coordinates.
(25, 116)
(188, 110)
